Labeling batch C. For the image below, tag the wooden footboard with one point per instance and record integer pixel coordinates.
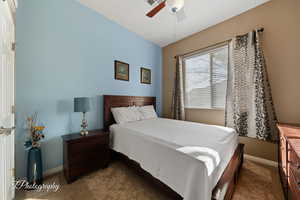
(224, 189)
(226, 185)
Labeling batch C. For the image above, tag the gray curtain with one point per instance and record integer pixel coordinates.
(178, 92)
(249, 105)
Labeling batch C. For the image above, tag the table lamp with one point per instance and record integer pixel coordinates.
(82, 104)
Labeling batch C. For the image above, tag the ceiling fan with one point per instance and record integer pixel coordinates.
(176, 7)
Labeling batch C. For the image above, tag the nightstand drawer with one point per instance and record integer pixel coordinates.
(87, 146)
(81, 168)
(98, 154)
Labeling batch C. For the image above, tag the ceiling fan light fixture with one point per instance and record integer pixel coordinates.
(175, 5)
(151, 2)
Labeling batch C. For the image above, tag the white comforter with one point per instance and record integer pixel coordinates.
(188, 157)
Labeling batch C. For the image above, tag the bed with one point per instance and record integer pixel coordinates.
(187, 160)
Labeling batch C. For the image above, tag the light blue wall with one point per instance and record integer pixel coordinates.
(65, 50)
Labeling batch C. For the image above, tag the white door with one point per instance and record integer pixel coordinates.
(7, 91)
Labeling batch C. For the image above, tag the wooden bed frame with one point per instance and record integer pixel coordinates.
(225, 186)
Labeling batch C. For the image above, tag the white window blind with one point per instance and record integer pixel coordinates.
(206, 78)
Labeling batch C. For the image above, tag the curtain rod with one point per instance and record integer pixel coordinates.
(195, 51)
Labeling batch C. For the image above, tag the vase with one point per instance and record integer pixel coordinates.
(34, 166)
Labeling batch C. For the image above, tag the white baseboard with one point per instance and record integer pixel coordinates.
(53, 171)
(261, 160)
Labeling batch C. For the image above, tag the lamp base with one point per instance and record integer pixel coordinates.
(84, 126)
(84, 132)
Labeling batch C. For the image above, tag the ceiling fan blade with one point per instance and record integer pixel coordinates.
(180, 15)
(155, 10)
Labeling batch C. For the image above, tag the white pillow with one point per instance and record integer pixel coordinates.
(147, 112)
(126, 114)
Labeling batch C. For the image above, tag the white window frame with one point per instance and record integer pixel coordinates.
(201, 52)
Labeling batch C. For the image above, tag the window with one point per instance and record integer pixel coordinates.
(206, 78)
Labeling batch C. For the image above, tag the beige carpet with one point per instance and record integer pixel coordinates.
(118, 182)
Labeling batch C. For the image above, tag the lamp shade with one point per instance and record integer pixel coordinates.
(81, 104)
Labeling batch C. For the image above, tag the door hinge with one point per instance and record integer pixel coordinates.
(13, 172)
(13, 46)
(13, 109)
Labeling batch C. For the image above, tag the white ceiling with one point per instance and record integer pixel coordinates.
(163, 29)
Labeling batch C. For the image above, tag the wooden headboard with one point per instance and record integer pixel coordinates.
(111, 101)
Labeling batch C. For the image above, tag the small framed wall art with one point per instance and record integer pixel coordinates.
(121, 71)
(145, 75)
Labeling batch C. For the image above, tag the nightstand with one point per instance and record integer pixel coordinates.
(83, 154)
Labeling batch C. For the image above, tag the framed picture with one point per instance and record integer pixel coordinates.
(145, 75)
(121, 71)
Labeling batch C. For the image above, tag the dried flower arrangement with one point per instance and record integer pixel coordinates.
(35, 132)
